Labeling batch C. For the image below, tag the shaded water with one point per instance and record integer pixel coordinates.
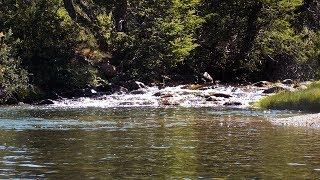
(153, 142)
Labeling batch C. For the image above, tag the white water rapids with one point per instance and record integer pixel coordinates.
(238, 96)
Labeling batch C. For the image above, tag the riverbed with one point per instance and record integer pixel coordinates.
(147, 142)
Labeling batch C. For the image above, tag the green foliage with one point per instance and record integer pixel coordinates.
(258, 39)
(305, 100)
(13, 78)
(64, 41)
(48, 44)
(157, 40)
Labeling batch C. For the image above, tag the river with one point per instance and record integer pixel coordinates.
(148, 142)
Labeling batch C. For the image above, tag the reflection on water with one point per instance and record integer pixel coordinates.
(164, 143)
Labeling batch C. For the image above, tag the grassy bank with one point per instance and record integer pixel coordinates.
(304, 100)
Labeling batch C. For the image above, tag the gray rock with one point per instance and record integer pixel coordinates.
(167, 95)
(157, 94)
(274, 90)
(232, 104)
(211, 99)
(221, 95)
(287, 81)
(141, 85)
(300, 87)
(88, 92)
(45, 102)
(261, 84)
(133, 85)
(207, 77)
(138, 92)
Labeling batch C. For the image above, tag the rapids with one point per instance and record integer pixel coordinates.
(182, 96)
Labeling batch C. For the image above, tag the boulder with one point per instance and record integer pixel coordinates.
(45, 102)
(211, 99)
(232, 104)
(138, 92)
(261, 84)
(300, 87)
(287, 81)
(221, 95)
(133, 85)
(275, 89)
(157, 94)
(89, 92)
(141, 85)
(207, 77)
(193, 86)
(167, 95)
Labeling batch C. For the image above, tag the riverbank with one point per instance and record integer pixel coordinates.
(306, 99)
(308, 120)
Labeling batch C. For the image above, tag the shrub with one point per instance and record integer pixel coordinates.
(13, 78)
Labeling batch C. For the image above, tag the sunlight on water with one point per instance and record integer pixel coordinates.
(46, 142)
(178, 95)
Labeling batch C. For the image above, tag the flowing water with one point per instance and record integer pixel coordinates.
(182, 96)
(173, 132)
(81, 143)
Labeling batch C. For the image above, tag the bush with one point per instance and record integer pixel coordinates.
(13, 78)
(48, 44)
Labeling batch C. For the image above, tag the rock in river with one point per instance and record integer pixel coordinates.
(261, 84)
(207, 77)
(133, 85)
(138, 92)
(45, 102)
(211, 99)
(232, 104)
(274, 90)
(221, 95)
(287, 81)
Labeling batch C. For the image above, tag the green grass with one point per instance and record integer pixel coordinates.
(303, 100)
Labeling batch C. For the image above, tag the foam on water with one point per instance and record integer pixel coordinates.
(170, 96)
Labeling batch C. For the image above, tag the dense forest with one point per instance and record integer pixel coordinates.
(51, 47)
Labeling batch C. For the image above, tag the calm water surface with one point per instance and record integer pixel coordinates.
(146, 143)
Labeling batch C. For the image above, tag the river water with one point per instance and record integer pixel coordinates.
(173, 142)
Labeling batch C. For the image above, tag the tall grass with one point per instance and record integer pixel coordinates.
(304, 100)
